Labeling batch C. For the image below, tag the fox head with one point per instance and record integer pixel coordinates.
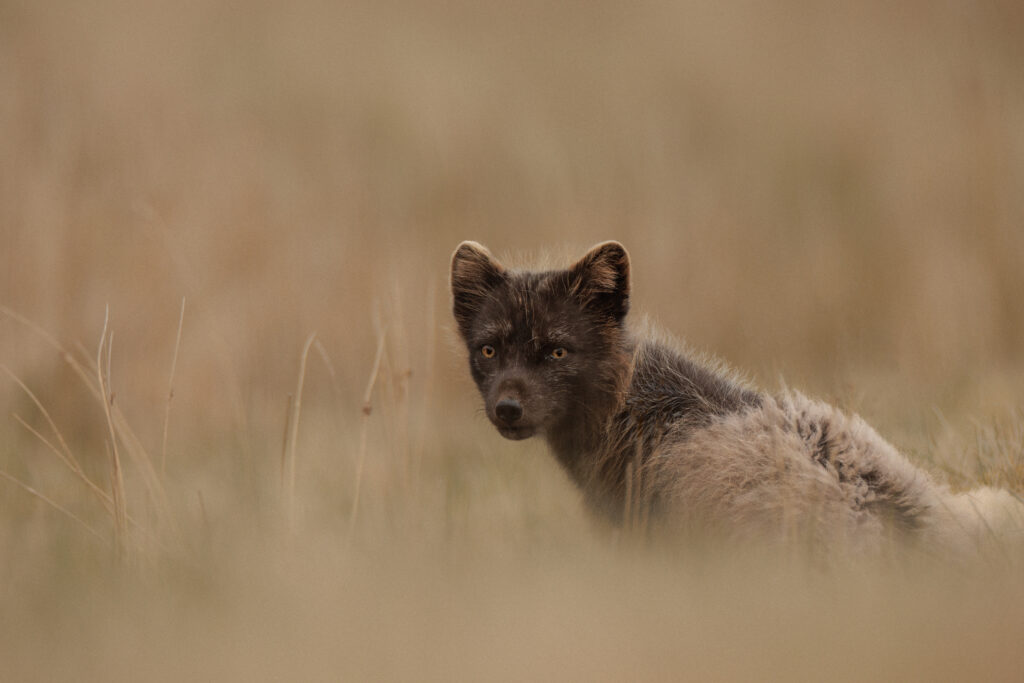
(544, 347)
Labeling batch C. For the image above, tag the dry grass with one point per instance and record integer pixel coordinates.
(825, 193)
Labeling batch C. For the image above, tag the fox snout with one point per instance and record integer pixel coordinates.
(510, 413)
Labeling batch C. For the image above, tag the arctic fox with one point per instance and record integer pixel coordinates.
(649, 432)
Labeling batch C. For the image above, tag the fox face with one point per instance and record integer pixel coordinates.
(542, 345)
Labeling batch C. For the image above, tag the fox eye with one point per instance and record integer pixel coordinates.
(559, 353)
(487, 351)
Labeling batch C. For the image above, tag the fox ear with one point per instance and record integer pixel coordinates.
(601, 279)
(474, 274)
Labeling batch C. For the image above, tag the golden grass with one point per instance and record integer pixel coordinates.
(828, 194)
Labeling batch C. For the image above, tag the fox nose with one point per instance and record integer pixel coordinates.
(508, 410)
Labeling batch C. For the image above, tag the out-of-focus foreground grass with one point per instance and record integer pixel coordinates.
(829, 193)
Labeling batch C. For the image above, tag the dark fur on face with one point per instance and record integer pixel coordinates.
(544, 347)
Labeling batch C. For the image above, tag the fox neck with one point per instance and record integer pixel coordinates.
(582, 443)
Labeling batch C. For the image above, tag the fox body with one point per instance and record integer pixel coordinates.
(648, 431)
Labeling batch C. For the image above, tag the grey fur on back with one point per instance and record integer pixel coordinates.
(714, 457)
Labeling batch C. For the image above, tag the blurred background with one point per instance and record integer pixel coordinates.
(829, 195)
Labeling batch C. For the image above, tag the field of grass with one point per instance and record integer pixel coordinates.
(238, 440)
